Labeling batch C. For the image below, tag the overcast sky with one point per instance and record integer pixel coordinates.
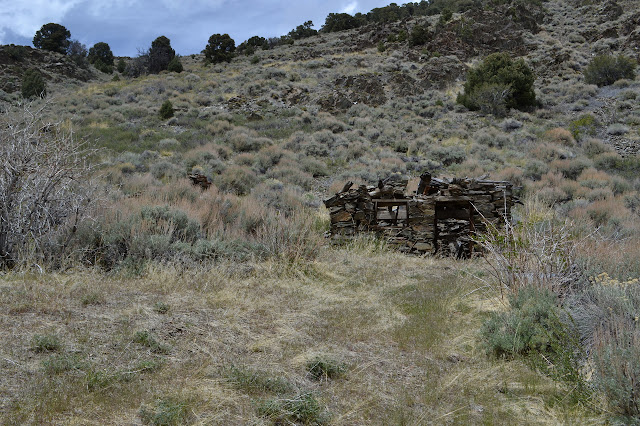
(129, 25)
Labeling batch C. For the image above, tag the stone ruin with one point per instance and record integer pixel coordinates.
(441, 217)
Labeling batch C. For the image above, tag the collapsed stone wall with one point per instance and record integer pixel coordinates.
(441, 220)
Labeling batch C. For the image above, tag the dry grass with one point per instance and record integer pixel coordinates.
(404, 328)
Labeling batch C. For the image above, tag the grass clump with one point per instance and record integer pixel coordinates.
(303, 408)
(145, 338)
(255, 381)
(46, 343)
(161, 308)
(324, 368)
(60, 363)
(166, 412)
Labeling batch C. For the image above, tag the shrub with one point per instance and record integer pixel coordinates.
(17, 53)
(238, 180)
(617, 129)
(490, 99)
(33, 85)
(585, 125)
(449, 155)
(220, 48)
(497, 73)
(539, 251)
(617, 372)
(525, 327)
(594, 147)
(534, 327)
(166, 110)
(102, 67)
(606, 316)
(161, 218)
(559, 136)
(419, 35)
(175, 65)
(604, 70)
(42, 170)
(52, 37)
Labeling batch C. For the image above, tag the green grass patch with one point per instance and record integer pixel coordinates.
(427, 306)
(303, 408)
(256, 381)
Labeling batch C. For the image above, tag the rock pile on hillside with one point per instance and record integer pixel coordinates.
(56, 68)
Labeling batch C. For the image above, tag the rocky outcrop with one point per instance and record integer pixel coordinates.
(56, 68)
(441, 71)
(609, 11)
(349, 90)
(402, 84)
(480, 32)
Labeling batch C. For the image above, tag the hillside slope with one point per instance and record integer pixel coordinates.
(172, 304)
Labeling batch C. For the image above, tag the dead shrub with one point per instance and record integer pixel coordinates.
(44, 191)
(560, 136)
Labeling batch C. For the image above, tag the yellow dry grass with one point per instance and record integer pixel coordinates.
(405, 327)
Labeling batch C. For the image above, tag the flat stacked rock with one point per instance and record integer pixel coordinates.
(443, 222)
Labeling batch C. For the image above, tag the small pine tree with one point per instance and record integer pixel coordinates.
(175, 65)
(33, 85)
(166, 110)
(122, 66)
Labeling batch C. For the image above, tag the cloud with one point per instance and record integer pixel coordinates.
(129, 25)
(24, 18)
(350, 8)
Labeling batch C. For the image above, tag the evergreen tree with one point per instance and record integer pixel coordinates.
(340, 22)
(101, 51)
(52, 37)
(302, 31)
(160, 54)
(219, 49)
(122, 65)
(166, 110)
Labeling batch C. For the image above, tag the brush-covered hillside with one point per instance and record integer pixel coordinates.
(130, 296)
